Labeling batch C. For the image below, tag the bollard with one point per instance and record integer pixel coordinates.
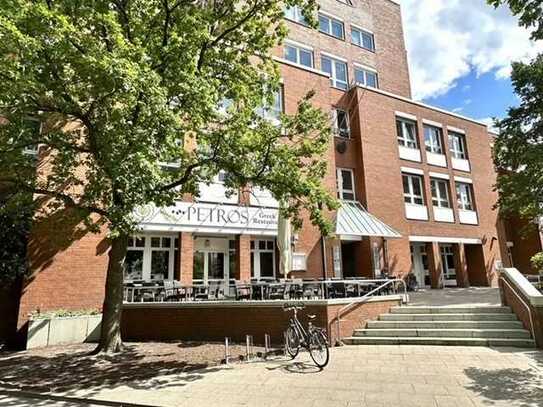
(266, 345)
(249, 347)
(285, 346)
(226, 350)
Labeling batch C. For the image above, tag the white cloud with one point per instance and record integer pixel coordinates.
(446, 39)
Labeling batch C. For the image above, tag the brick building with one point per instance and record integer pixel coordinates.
(416, 182)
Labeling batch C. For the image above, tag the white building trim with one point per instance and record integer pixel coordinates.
(432, 123)
(440, 175)
(409, 170)
(456, 130)
(440, 239)
(359, 28)
(298, 44)
(405, 116)
(463, 180)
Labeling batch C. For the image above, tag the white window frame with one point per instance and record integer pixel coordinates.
(362, 32)
(270, 113)
(403, 140)
(298, 49)
(341, 192)
(148, 252)
(335, 82)
(437, 200)
(459, 150)
(410, 194)
(464, 195)
(297, 15)
(335, 125)
(331, 19)
(434, 145)
(255, 250)
(365, 72)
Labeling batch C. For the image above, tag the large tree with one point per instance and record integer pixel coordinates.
(121, 86)
(519, 145)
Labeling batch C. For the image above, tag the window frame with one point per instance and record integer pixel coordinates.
(365, 72)
(438, 200)
(333, 78)
(148, 249)
(346, 134)
(298, 16)
(402, 140)
(299, 49)
(331, 20)
(361, 32)
(431, 146)
(410, 197)
(460, 153)
(341, 191)
(465, 201)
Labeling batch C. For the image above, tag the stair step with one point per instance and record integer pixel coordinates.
(517, 343)
(445, 333)
(451, 310)
(444, 325)
(449, 317)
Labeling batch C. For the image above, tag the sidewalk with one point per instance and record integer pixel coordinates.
(361, 376)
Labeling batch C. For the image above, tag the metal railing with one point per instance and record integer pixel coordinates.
(523, 302)
(385, 283)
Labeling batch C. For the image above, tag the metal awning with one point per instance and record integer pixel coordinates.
(354, 221)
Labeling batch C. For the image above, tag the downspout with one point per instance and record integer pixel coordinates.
(324, 259)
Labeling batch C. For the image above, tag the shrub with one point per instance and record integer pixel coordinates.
(537, 262)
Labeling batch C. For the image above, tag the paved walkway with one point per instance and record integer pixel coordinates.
(361, 376)
(478, 296)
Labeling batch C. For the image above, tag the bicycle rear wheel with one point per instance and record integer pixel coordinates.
(292, 342)
(318, 348)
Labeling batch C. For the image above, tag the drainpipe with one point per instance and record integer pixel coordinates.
(324, 262)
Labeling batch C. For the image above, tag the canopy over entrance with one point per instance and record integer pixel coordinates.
(353, 222)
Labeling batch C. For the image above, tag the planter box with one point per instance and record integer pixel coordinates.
(63, 330)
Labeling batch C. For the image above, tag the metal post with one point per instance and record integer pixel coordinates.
(285, 344)
(266, 345)
(249, 347)
(226, 350)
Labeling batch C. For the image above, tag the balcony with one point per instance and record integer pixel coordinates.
(416, 212)
(468, 217)
(410, 154)
(443, 214)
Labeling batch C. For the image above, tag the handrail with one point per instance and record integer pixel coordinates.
(523, 301)
(361, 300)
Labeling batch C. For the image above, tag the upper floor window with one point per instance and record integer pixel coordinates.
(294, 13)
(457, 146)
(341, 123)
(365, 77)
(345, 184)
(412, 189)
(331, 26)
(273, 112)
(299, 55)
(407, 133)
(363, 39)
(337, 71)
(440, 193)
(433, 139)
(464, 194)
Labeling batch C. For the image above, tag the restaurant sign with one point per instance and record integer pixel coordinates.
(216, 218)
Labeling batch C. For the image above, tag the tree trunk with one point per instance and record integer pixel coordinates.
(110, 338)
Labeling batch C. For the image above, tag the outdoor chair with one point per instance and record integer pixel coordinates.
(311, 291)
(172, 290)
(243, 291)
(201, 292)
(278, 291)
(296, 290)
(216, 290)
(336, 290)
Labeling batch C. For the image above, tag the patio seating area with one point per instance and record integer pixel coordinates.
(257, 290)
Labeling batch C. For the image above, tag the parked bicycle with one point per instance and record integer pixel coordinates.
(313, 338)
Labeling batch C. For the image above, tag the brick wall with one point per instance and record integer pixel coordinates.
(527, 241)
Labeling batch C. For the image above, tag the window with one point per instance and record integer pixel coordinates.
(341, 123)
(345, 184)
(299, 55)
(263, 259)
(432, 139)
(273, 112)
(294, 13)
(457, 146)
(363, 39)
(151, 258)
(464, 194)
(440, 193)
(337, 71)
(331, 26)
(412, 189)
(365, 77)
(407, 133)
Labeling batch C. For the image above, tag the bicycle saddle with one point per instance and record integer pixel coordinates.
(311, 317)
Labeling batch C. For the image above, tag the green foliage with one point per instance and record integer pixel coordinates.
(537, 262)
(519, 146)
(142, 79)
(62, 313)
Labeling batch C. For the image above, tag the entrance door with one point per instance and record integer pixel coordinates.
(447, 259)
(211, 260)
(419, 259)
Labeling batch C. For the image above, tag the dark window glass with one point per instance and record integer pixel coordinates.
(215, 265)
(198, 270)
(159, 264)
(266, 264)
(133, 265)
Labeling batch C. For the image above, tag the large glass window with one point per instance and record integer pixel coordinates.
(440, 193)
(262, 258)
(272, 112)
(432, 139)
(365, 77)
(294, 13)
(412, 189)
(151, 257)
(457, 146)
(407, 133)
(345, 184)
(464, 194)
(337, 71)
(363, 39)
(298, 55)
(331, 26)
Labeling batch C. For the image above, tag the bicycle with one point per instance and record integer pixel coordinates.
(313, 338)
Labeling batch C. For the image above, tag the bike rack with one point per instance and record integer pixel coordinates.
(266, 345)
(226, 350)
(249, 345)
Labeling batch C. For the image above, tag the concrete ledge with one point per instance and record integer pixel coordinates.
(526, 288)
(63, 330)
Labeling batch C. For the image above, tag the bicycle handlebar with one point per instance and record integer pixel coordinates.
(297, 306)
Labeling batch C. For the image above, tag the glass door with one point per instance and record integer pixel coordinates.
(419, 259)
(447, 259)
(211, 260)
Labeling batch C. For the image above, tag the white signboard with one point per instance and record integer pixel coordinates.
(213, 218)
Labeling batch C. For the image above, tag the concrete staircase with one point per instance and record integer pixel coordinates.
(460, 326)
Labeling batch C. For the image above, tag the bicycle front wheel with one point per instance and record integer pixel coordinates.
(292, 342)
(318, 348)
